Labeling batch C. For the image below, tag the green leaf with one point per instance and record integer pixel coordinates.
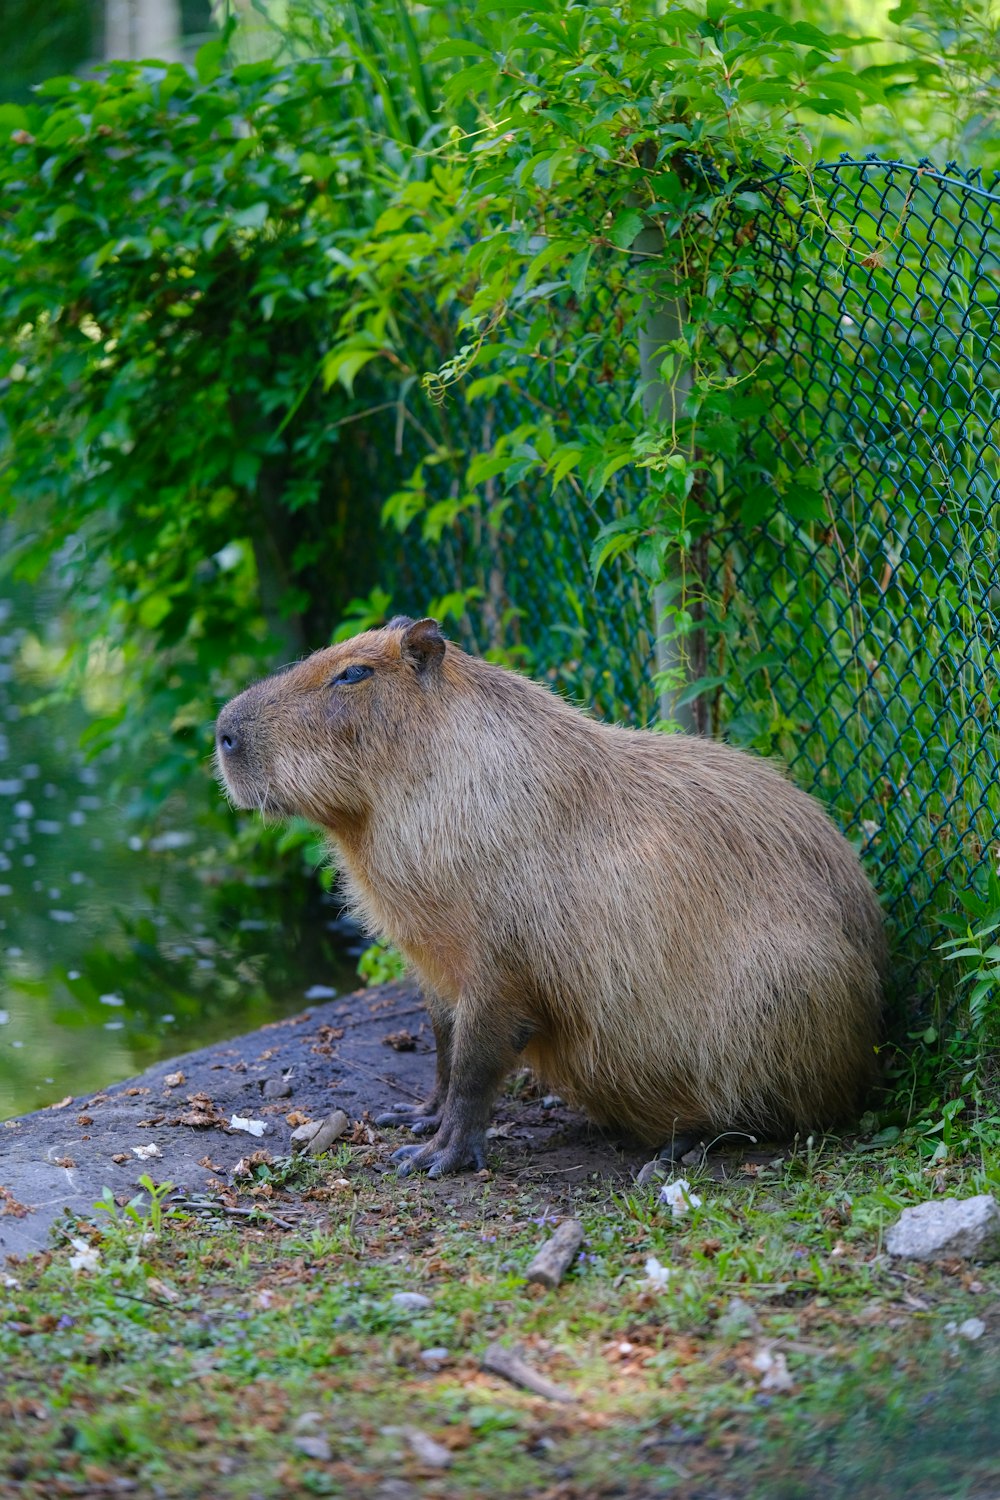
(244, 468)
(697, 689)
(612, 540)
(12, 117)
(254, 217)
(208, 60)
(626, 226)
(804, 504)
(578, 267)
(458, 47)
(345, 364)
(568, 459)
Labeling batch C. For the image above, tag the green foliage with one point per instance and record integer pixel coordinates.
(41, 37)
(380, 963)
(171, 247)
(144, 1214)
(976, 951)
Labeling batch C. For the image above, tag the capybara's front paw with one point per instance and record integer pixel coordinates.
(447, 1152)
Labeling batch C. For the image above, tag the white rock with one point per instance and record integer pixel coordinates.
(313, 1447)
(427, 1449)
(943, 1227)
(307, 1421)
(972, 1328)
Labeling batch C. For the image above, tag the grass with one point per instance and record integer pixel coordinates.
(202, 1358)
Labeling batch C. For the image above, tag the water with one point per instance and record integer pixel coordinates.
(115, 954)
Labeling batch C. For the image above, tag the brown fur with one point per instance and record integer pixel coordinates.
(684, 937)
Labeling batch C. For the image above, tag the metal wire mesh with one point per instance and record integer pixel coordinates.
(858, 621)
(851, 569)
(524, 550)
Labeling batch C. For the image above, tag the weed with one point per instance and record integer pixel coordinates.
(146, 1213)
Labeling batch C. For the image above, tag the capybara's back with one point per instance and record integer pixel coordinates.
(676, 937)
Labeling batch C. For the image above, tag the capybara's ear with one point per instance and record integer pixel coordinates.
(423, 644)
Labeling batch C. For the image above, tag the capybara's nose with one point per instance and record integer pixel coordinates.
(226, 733)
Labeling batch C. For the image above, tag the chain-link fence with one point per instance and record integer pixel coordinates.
(849, 629)
(858, 624)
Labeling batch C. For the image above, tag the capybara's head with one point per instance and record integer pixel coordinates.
(318, 738)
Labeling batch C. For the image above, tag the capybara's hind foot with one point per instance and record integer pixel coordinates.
(421, 1118)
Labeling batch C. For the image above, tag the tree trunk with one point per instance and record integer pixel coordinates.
(142, 28)
(663, 323)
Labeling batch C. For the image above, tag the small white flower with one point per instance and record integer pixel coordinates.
(773, 1370)
(678, 1197)
(657, 1275)
(87, 1257)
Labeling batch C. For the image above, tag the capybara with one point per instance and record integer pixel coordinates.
(675, 938)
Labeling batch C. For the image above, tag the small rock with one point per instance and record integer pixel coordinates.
(330, 1130)
(277, 1088)
(427, 1449)
(307, 1421)
(433, 1358)
(174, 1080)
(314, 1447)
(943, 1227)
(972, 1328)
(649, 1172)
(410, 1301)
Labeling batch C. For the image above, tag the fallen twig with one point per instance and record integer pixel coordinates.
(510, 1366)
(551, 1260)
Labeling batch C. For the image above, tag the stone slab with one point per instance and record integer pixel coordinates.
(342, 1054)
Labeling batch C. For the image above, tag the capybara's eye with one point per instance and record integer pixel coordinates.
(355, 673)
